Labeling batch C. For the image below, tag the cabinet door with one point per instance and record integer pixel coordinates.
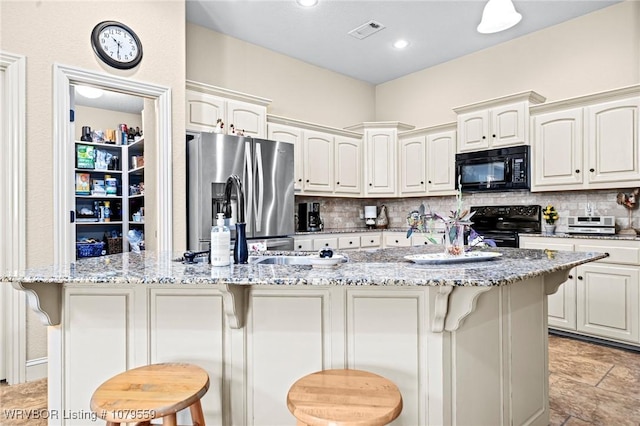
(349, 242)
(371, 240)
(251, 119)
(380, 152)
(557, 150)
(282, 133)
(348, 163)
(608, 301)
(441, 162)
(318, 162)
(561, 304)
(412, 165)
(473, 131)
(203, 111)
(323, 242)
(612, 138)
(508, 125)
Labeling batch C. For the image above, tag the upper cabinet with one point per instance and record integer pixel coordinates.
(427, 161)
(589, 142)
(380, 156)
(328, 161)
(206, 104)
(495, 123)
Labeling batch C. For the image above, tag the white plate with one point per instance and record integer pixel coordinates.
(324, 262)
(435, 258)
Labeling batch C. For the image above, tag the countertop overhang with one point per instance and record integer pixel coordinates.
(381, 267)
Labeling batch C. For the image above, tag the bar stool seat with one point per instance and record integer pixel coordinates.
(151, 392)
(344, 398)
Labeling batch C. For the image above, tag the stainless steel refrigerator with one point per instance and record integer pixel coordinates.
(266, 170)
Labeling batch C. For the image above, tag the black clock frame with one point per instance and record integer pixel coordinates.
(95, 43)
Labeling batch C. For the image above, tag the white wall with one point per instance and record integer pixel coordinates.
(103, 119)
(592, 53)
(298, 90)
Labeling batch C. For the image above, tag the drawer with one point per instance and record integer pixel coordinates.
(320, 243)
(396, 240)
(303, 244)
(372, 240)
(352, 242)
(420, 240)
(617, 253)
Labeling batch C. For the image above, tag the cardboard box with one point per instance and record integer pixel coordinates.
(83, 184)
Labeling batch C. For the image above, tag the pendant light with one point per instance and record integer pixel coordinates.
(498, 15)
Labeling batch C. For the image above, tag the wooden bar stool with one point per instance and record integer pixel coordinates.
(344, 398)
(151, 392)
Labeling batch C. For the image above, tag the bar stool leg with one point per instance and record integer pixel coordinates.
(197, 416)
(170, 420)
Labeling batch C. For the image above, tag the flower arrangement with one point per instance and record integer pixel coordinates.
(455, 225)
(550, 214)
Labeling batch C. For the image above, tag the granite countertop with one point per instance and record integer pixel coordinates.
(621, 237)
(384, 267)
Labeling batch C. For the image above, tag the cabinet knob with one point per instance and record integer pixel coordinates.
(426, 243)
(421, 183)
(592, 170)
(307, 180)
(493, 136)
(326, 244)
(570, 276)
(577, 170)
(484, 137)
(397, 241)
(371, 241)
(300, 180)
(370, 184)
(580, 277)
(429, 181)
(350, 242)
(337, 183)
(299, 246)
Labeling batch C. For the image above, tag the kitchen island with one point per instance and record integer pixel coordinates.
(466, 343)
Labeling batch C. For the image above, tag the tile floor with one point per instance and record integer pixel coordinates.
(588, 385)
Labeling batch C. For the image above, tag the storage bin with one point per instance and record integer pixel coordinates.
(114, 245)
(90, 249)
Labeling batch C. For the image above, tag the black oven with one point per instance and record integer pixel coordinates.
(503, 224)
(494, 170)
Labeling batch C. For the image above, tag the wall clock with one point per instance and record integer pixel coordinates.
(116, 45)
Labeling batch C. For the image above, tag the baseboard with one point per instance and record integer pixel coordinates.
(37, 369)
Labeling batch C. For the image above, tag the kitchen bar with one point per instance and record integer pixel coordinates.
(466, 343)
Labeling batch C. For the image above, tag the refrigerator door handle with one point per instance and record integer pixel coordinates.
(260, 189)
(248, 185)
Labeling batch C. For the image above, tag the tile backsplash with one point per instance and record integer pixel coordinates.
(345, 212)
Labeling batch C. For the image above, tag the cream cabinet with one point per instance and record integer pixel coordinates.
(328, 161)
(587, 143)
(346, 241)
(205, 104)
(348, 165)
(395, 239)
(318, 162)
(292, 135)
(557, 149)
(413, 167)
(495, 123)
(427, 161)
(380, 156)
(600, 299)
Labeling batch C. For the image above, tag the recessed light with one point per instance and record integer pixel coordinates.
(307, 3)
(89, 92)
(401, 44)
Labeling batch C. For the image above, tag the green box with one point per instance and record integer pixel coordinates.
(85, 157)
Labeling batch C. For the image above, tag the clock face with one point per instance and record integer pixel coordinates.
(116, 44)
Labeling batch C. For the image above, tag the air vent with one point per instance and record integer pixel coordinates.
(366, 29)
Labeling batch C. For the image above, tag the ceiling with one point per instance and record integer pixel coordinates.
(437, 30)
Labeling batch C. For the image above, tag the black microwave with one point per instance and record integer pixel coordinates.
(500, 169)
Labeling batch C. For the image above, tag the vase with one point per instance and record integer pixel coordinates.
(454, 239)
(549, 229)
